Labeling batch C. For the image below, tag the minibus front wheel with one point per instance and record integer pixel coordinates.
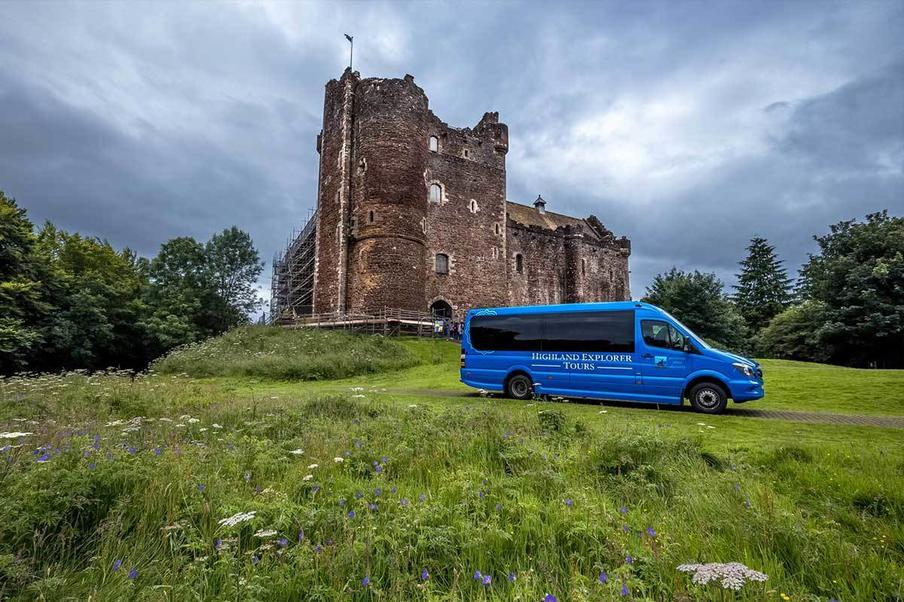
(708, 398)
(519, 386)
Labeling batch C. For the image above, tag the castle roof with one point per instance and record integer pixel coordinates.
(529, 216)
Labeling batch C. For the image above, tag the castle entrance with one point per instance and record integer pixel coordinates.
(441, 309)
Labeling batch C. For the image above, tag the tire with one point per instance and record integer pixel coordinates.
(708, 398)
(519, 387)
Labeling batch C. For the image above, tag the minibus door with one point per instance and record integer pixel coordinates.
(664, 362)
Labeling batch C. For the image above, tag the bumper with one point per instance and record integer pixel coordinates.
(746, 390)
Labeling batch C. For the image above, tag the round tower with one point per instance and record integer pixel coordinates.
(387, 243)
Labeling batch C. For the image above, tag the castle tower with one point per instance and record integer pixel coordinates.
(372, 203)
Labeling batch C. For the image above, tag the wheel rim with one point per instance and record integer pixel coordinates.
(519, 387)
(707, 398)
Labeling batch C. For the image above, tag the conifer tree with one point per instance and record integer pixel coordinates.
(763, 288)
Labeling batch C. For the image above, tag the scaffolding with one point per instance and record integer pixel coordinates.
(292, 280)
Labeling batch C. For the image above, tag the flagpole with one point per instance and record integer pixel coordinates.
(351, 50)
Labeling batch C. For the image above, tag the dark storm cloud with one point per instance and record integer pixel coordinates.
(687, 126)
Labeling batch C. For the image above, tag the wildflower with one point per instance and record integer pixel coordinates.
(393, 489)
(247, 475)
(133, 573)
(265, 533)
(318, 549)
(498, 507)
(480, 494)
(651, 532)
(372, 507)
(403, 502)
(351, 514)
(366, 581)
(307, 477)
(422, 497)
(297, 452)
(313, 466)
(92, 466)
(569, 502)
(255, 559)
(477, 576)
(14, 435)
(283, 542)
(747, 504)
(131, 449)
(116, 564)
(549, 598)
(603, 577)
(44, 458)
(217, 543)
(201, 487)
(424, 575)
(731, 575)
(300, 535)
(338, 459)
(235, 519)
(624, 589)
(623, 510)
(157, 451)
(629, 559)
(378, 468)
(487, 580)
(626, 529)
(193, 421)
(378, 492)
(342, 502)
(512, 577)
(358, 495)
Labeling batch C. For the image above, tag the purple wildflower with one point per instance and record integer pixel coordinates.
(358, 495)
(201, 487)
(477, 576)
(626, 528)
(255, 560)
(133, 573)
(623, 510)
(403, 502)
(351, 514)
(342, 502)
(378, 468)
(116, 564)
(300, 535)
(424, 575)
(480, 494)
(372, 507)
(96, 445)
(393, 489)
(512, 577)
(624, 589)
(366, 581)
(629, 559)
(569, 502)
(651, 532)
(487, 580)
(384, 460)
(549, 598)
(44, 458)
(92, 466)
(318, 548)
(217, 543)
(603, 577)
(422, 497)
(283, 542)
(378, 492)
(157, 451)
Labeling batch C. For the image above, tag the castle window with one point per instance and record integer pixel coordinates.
(434, 144)
(370, 217)
(472, 206)
(497, 228)
(467, 154)
(495, 253)
(436, 193)
(583, 267)
(519, 263)
(424, 224)
(442, 263)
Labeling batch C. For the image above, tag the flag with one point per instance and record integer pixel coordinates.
(348, 37)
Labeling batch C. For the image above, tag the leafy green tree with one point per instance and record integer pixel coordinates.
(233, 266)
(858, 275)
(796, 333)
(697, 300)
(22, 296)
(764, 288)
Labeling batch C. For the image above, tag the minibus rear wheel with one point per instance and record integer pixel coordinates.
(519, 387)
(708, 398)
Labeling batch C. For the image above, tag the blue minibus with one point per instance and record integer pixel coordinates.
(623, 351)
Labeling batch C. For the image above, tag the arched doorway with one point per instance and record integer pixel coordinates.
(441, 309)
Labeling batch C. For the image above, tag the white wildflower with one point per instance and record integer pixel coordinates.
(193, 421)
(358, 395)
(313, 466)
(730, 575)
(297, 452)
(14, 435)
(235, 519)
(265, 533)
(165, 419)
(338, 459)
(307, 477)
(412, 405)
(216, 426)
(603, 412)
(184, 417)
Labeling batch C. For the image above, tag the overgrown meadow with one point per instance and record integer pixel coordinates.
(166, 487)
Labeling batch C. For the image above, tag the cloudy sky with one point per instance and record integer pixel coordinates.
(687, 126)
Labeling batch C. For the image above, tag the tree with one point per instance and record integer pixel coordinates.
(858, 275)
(233, 266)
(23, 277)
(763, 288)
(698, 301)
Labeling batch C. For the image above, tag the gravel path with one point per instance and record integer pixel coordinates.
(733, 410)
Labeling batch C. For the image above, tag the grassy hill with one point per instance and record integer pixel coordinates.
(358, 486)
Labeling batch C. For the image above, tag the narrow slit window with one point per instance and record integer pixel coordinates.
(370, 217)
(519, 263)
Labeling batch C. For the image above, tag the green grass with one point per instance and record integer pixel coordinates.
(819, 508)
(278, 353)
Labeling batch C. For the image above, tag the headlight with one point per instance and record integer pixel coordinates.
(743, 369)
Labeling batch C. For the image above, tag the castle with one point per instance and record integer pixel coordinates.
(412, 215)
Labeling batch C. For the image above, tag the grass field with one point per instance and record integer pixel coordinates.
(396, 484)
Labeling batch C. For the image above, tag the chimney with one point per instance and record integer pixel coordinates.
(540, 204)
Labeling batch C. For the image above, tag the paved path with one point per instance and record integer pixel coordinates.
(735, 410)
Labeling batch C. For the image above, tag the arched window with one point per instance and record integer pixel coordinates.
(436, 193)
(442, 263)
(433, 144)
(370, 217)
(519, 263)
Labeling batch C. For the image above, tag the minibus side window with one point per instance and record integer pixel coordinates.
(605, 331)
(506, 333)
(658, 333)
